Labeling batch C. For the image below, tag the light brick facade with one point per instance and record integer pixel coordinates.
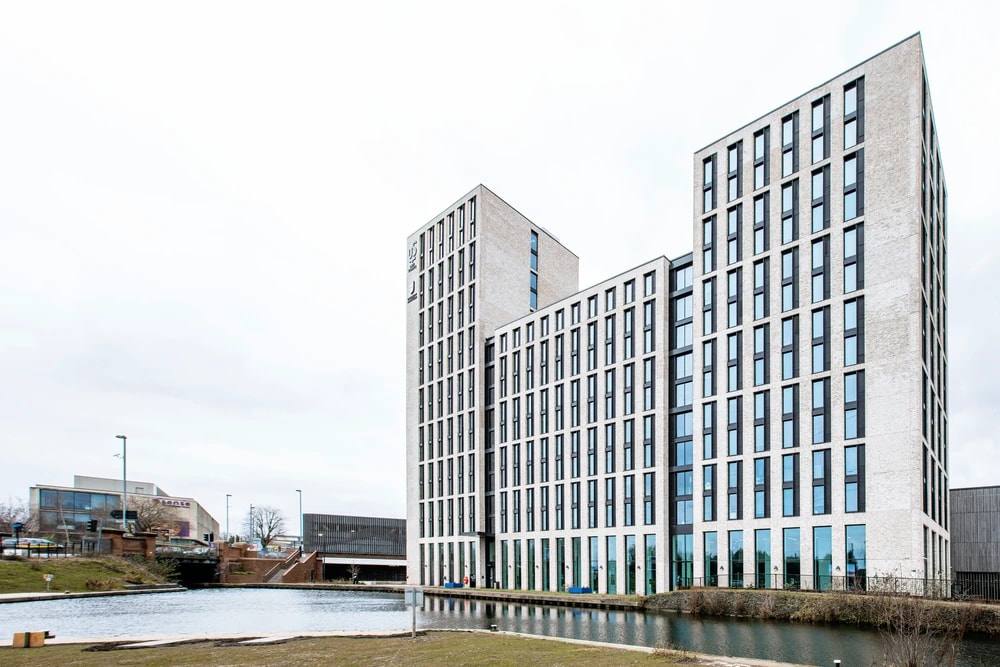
(786, 423)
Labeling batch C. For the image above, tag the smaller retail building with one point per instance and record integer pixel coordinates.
(368, 548)
(67, 511)
(975, 541)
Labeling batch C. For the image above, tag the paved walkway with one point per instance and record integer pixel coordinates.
(52, 595)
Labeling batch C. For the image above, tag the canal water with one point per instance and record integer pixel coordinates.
(269, 611)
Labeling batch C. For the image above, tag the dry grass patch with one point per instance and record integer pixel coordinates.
(434, 648)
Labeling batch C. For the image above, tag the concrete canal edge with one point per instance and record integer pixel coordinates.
(56, 595)
(583, 600)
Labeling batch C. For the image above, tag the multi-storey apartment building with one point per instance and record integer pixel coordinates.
(769, 410)
(820, 336)
(469, 270)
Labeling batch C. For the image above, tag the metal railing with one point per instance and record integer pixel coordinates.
(72, 549)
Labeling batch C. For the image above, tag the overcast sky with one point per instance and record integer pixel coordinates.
(204, 206)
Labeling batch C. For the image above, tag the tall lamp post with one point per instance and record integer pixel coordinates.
(124, 439)
(252, 527)
(302, 532)
(228, 496)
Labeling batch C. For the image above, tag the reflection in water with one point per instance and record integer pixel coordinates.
(269, 611)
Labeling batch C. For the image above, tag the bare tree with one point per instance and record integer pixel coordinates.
(152, 516)
(265, 522)
(15, 511)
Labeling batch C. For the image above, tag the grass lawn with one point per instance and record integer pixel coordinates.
(71, 574)
(433, 648)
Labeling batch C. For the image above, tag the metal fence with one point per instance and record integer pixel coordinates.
(966, 588)
(82, 548)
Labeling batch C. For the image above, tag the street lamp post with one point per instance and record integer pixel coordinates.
(302, 531)
(228, 496)
(252, 528)
(124, 439)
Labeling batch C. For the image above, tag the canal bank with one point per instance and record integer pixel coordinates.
(871, 610)
(6, 598)
(284, 611)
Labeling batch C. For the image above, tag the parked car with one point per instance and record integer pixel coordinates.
(33, 544)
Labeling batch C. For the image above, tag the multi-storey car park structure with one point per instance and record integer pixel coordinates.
(769, 410)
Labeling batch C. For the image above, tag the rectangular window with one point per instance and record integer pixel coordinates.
(760, 360)
(853, 258)
(761, 158)
(734, 280)
(735, 171)
(854, 405)
(648, 326)
(820, 129)
(789, 280)
(648, 500)
(821, 269)
(628, 503)
(708, 430)
(761, 270)
(707, 374)
(733, 343)
(734, 235)
(708, 245)
(790, 212)
(789, 348)
(733, 410)
(790, 144)
(821, 199)
(790, 485)
(854, 113)
(708, 307)
(708, 184)
(821, 481)
(823, 558)
(736, 559)
(854, 478)
(648, 451)
(764, 577)
(592, 504)
(734, 490)
(649, 284)
(821, 411)
(820, 336)
(649, 376)
(854, 180)
(854, 337)
(761, 491)
(628, 444)
(761, 242)
(790, 416)
(761, 423)
(793, 557)
(708, 492)
(855, 550)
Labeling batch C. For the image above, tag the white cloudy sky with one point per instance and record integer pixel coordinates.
(203, 207)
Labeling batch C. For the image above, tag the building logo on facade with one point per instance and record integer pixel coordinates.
(411, 257)
(170, 502)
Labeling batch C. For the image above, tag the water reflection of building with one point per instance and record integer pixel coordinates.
(373, 548)
(62, 510)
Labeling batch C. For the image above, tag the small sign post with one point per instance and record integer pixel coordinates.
(413, 597)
